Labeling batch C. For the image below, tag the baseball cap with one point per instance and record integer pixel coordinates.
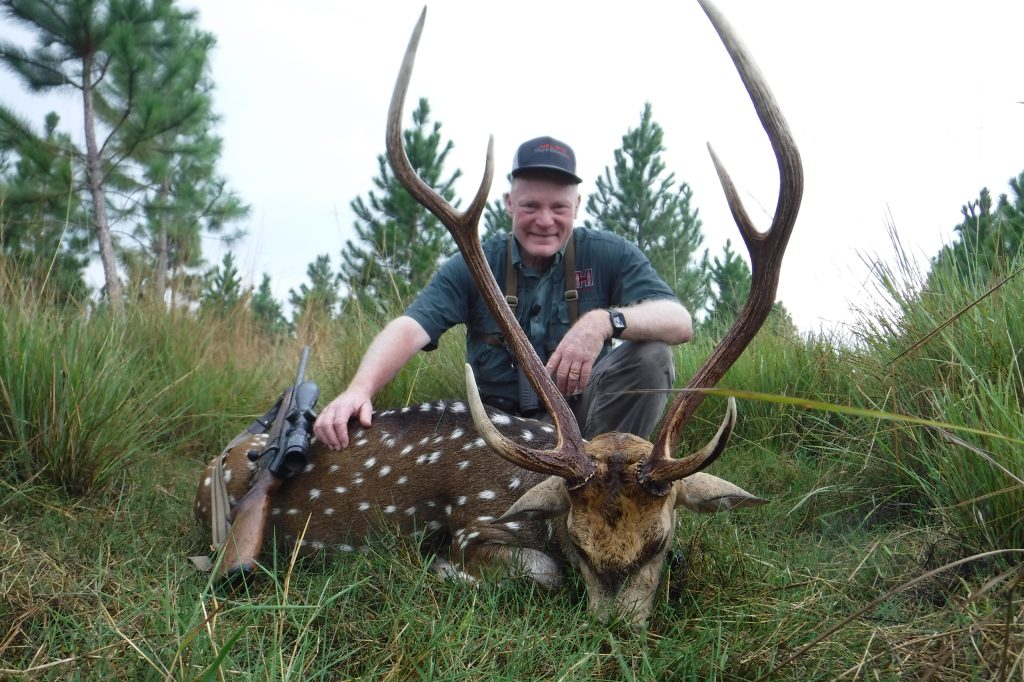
(545, 153)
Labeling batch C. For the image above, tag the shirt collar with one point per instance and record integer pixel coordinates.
(517, 259)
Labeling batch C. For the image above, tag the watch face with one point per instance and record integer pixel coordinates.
(618, 323)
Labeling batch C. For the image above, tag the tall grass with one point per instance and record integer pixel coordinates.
(98, 586)
(949, 348)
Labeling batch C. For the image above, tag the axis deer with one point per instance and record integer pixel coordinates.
(532, 496)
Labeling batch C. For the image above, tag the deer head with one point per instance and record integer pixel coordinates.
(615, 496)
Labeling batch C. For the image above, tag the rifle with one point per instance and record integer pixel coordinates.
(284, 455)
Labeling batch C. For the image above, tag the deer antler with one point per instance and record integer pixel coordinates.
(568, 459)
(765, 249)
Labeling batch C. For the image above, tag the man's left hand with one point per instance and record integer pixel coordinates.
(573, 359)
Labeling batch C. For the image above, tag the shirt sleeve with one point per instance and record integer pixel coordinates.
(444, 302)
(638, 280)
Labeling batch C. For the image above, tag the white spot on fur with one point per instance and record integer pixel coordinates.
(406, 409)
(358, 480)
(471, 536)
(251, 465)
(487, 495)
(341, 490)
(206, 482)
(423, 441)
(384, 471)
(546, 429)
(434, 456)
(433, 525)
(309, 467)
(457, 433)
(500, 419)
(513, 525)
(437, 440)
(333, 468)
(484, 519)
(447, 510)
(387, 413)
(514, 483)
(405, 451)
(527, 435)
(402, 480)
(344, 548)
(363, 506)
(276, 511)
(463, 464)
(390, 443)
(410, 511)
(227, 475)
(314, 493)
(425, 407)
(329, 511)
(461, 501)
(390, 509)
(317, 545)
(368, 464)
(458, 408)
(361, 442)
(441, 405)
(421, 459)
(293, 511)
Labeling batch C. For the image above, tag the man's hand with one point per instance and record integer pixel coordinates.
(331, 426)
(573, 359)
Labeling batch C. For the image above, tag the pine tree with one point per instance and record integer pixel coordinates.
(988, 239)
(43, 226)
(730, 280)
(399, 243)
(222, 288)
(497, 221)
(319, 299)
(639, 201)
(79, 44)
(182, 195)
(266, 310)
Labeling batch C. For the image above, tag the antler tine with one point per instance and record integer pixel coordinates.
(568, 459)
(766, 250)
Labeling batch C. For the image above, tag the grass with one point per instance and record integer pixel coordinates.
(861, 567)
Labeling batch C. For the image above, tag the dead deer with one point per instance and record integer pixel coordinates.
(525, 494)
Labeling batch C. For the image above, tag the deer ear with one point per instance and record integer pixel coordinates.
(546, 500)
(704, 493)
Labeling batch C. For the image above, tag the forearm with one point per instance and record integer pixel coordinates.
(389, 351)
(657, 320)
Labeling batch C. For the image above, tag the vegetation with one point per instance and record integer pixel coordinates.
(639, 200)
(850, 572)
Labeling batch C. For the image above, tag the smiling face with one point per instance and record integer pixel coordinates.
(543, 211)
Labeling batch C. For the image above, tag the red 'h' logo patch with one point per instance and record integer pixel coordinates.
(584, 278)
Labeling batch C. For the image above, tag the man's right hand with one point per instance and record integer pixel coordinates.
(331, 426)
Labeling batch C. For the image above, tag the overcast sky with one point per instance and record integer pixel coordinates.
(902, 111)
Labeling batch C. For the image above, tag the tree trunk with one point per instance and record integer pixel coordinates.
(94, 172)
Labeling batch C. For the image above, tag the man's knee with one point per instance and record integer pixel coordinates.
(652, 360)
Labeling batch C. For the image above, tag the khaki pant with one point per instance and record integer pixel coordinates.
(628, 390)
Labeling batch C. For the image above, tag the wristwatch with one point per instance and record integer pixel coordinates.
(618, 322)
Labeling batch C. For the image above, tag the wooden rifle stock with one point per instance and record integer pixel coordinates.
(249, 518)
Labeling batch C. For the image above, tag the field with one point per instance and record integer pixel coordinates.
(892, 547)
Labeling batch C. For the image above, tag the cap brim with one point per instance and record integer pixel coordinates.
(526, 170)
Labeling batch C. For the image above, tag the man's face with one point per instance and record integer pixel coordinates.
(543, 212)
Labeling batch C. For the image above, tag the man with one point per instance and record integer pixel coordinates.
(619, 296)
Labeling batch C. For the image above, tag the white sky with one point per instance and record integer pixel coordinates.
(901, 110)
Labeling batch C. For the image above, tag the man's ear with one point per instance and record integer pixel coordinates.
(508, 202)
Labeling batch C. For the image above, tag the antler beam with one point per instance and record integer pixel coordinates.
(568, 459)
(766, 250)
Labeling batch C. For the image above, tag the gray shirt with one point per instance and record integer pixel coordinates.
(610, 271)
